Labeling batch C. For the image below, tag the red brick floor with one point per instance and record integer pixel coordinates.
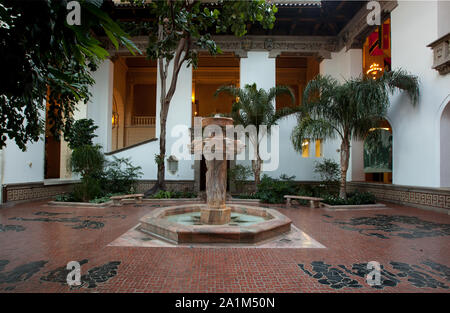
(57, 235)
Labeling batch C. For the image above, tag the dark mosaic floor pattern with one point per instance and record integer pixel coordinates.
(37, 241)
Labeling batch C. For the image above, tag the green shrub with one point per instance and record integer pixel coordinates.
(89, 188)
(105, 198)
(163, 194)
(120, 176)
(272, 190)
(80, 133)
(328, 170)
(354, 198)
(239, 174)
(66, 197)
(87, 160)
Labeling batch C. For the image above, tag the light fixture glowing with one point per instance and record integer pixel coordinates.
(115, 119)
(382, 128)
(374, 69)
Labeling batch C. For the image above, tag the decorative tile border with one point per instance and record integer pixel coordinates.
(33, 191)
(36, 191)
(422, 197)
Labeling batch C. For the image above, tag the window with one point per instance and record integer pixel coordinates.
(318, 148)
(305, 148)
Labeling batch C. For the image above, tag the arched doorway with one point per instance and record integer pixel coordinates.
(445, 147)
(378, 154)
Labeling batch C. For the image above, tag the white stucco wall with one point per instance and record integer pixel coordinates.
(443, 17)
(344, 65)
(416, 130)
(99, 107)
(23, 166)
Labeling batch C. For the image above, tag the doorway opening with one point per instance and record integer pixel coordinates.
(52, 162)
(212, 72)
(445, 147)
(378, 150)
(134, 101)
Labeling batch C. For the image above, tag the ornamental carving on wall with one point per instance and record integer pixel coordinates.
(441, 54)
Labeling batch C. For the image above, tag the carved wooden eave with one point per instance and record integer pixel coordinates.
(441, 54)
(319, 46)
(357, 29)
(351, 36)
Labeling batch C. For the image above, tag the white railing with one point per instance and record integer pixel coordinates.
(143, 120)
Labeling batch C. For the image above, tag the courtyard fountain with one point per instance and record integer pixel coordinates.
(216, 221)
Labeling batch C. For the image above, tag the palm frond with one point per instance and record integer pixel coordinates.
(400, 79)
(312, 129)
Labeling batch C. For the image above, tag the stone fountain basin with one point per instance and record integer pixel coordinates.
(157, 224)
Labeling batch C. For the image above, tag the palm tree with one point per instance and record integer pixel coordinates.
(256, 107)
(348, 110)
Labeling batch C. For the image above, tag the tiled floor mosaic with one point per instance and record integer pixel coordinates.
(37, 241)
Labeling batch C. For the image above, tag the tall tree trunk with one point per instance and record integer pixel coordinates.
(345, 155)
(166, 97)
(256, 166)
(161, 183)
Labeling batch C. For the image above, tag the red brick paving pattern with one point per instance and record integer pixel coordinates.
(207, 269)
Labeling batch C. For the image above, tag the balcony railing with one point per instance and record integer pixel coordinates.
(143, 120)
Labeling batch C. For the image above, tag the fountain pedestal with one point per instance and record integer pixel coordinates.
(216, 212)
(215, 222)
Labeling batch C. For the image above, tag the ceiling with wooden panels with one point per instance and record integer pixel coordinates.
(307, 18)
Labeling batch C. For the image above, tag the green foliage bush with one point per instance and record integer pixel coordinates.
(163, 194)
(89, 188)
(81, 133)
(87, 160)
(328, 169)
(272, 190)
(66, 197)
(239, 174)
(120, 176)
(99, 178)
(105, 198)
(354, 198)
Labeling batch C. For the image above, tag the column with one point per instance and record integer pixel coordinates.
(100, 105)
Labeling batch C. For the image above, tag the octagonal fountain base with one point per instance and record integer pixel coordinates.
(181, 224)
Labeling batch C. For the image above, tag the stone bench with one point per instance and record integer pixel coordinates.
(313, 202)
(137, 197)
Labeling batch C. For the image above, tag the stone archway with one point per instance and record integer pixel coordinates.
(445, 146)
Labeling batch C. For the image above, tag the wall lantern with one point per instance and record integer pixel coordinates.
(115, 119)
(172, 164)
